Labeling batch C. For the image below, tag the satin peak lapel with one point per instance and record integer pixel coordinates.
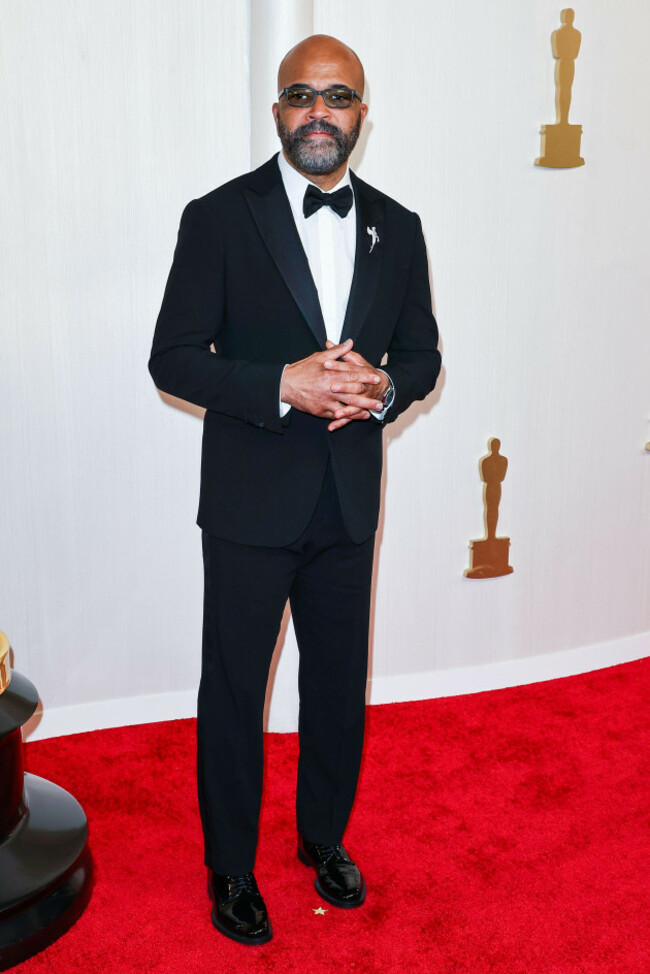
(368, 258)
(272, 214)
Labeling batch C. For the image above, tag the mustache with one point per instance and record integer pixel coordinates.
(316, 126)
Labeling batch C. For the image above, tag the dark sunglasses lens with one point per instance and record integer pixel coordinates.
(300, 97)
(338, 97)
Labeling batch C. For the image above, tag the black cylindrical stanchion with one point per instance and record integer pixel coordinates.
(45, 863)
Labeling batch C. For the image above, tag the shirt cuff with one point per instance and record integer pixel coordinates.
(284, 406)
(389, 398)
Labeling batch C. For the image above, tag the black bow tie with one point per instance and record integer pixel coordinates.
(340, 201)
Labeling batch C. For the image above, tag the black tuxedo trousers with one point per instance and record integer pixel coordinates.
(288, 510)
(326, 578)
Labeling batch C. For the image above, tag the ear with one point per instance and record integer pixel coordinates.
(275, 108)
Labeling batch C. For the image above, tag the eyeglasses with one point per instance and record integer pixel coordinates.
(302, 96)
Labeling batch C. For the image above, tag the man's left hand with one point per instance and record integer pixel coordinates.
(347, 387)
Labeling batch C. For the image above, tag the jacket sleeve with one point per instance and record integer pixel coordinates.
(182, 362)
(413, 361)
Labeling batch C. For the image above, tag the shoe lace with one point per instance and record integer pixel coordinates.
(241, 884)
(327, 852)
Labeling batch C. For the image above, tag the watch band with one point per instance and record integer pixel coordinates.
(389, 395)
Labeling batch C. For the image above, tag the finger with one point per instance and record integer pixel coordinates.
(335, 351)
(340, 365)
(360, 402)
(353, 413)
(328, 343)
(340, 410)
(352, 373)
(338, 423)
(350, 389)
(343, 391)
(355, 357)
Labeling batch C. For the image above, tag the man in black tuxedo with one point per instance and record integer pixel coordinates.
(288, 288)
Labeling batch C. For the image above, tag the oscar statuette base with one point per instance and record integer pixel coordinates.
(560, 147)
(489, 558)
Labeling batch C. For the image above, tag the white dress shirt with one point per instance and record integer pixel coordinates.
(329, 241)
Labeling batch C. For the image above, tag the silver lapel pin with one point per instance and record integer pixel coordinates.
(375, 237)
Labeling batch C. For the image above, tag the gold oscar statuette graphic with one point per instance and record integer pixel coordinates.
(489, 556)
(561, 142)
(5, 671)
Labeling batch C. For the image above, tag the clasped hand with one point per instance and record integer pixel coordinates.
(336, 384)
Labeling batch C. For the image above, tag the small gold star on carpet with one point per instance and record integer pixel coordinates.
(319, 910)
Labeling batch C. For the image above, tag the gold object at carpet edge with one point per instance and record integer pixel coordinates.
(561, 141)
(489, 555)
(5, 669)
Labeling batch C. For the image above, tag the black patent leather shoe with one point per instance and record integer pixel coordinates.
(238, 911)
(338, 879)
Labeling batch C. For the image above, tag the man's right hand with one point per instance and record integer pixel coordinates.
(306, 385)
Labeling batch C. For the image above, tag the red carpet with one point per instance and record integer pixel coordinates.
(503, 832)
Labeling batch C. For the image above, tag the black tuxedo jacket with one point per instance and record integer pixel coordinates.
(240, 282)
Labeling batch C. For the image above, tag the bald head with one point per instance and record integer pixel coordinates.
(322, 54)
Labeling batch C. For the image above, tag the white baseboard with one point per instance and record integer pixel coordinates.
(126, 711)
(509, 673)
(119, 712)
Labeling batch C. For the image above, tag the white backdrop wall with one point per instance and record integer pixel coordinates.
(116, 114)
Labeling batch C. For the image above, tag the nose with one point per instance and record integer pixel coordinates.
(319, 109)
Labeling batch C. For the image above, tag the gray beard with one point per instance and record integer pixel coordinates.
(318, 158)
